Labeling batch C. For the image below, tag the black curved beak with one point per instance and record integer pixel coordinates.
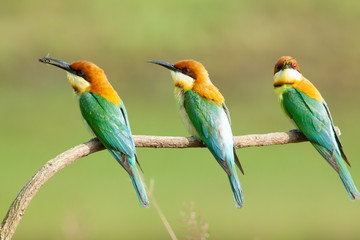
(57, 63)
(165, 64)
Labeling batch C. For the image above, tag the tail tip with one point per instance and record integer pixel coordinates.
(144, 202)
(239, 202)
(238, 206)
(356, 196)
(145, 205)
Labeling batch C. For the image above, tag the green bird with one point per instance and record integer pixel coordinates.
(304, 105)
(204, 113)
(105, 114)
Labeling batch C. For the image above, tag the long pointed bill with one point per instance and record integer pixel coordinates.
(180, 79)
(165, 64)
(58, 63)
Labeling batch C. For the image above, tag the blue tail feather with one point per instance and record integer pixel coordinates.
(348, 181)
(129, 164)
(236, 188)
(336, 161)
(139, 188)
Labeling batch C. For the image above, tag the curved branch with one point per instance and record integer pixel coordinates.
(18, 207)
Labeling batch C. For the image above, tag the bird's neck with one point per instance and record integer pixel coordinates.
(309, 89)
(207, 90)
(293, 80)
(287, 76)
(104, 89)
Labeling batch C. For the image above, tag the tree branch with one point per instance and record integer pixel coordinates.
(18, 207)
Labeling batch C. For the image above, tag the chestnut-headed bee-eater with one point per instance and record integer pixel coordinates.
(105, 114)
(304, 105)
(206, 116)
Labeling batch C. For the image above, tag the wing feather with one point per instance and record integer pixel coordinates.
(212, 123)
(110, 124)
(313, 119)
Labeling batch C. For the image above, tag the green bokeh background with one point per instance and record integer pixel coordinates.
(290, 191)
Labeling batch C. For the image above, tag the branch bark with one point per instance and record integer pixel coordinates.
(19, 205)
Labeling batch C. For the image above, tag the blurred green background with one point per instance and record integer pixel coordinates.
(290, 191)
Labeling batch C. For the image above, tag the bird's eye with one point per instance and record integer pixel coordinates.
(294, 65)
(186, 70)
(80, 73)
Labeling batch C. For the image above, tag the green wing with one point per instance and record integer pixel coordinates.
(314, 121)
(110, 124)
(212, 123)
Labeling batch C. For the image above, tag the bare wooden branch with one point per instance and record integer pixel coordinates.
(18, 207)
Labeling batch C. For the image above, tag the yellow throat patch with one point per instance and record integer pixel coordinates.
(79, 84)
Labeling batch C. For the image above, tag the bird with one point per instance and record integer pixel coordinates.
(105, 113)
(308, 111)
(204, 113)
